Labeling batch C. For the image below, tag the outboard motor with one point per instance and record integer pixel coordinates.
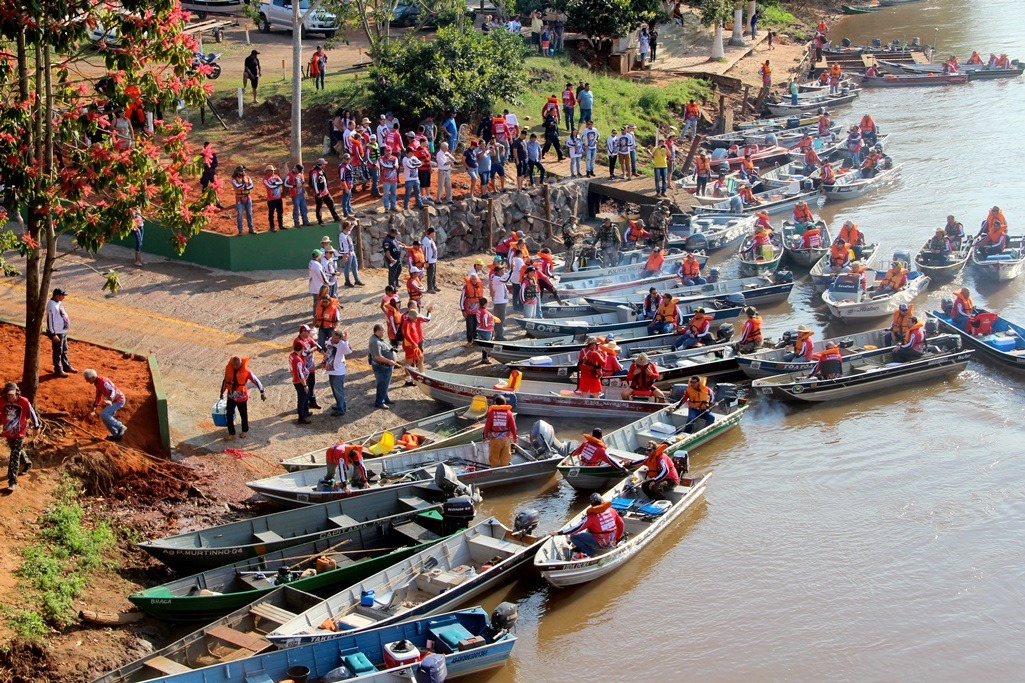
(696, 242)
(915, 42)
(784, 277)
(947, 306)
(510, 398)
(681, 460)
(445, 479)
(724, 333)
(735, 300)
(902, 256)
(457, 514)
(736, 204)
(503, 620)
(846, 42)
(945, 343)
(526, 522)
(544, 441)
(727, 395)
(787, 339)
(713, 275)
(932, 328)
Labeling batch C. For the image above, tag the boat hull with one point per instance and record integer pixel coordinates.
(1008, 359)
(844, 189)
(913, 80)
(507, 352)
(876, 307)
(989, 268)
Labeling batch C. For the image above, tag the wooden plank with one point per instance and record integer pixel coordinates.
(273, 613)
(166, 666)
(424, 434)
(238, 639)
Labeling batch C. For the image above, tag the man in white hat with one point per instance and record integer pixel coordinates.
(642, 377)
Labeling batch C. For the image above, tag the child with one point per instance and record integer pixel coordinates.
(771, 36)
(415, 287)
(546, 41)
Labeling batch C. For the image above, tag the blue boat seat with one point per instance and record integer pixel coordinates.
(357, 662)
(259, 677)
(620, 504)
(448, 637)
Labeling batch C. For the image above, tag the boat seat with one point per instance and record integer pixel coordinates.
(485, 541)
(449, 636)
(867, 367)
(415, 532)
(242, 640)
(343, 521)
(166, 666)
(273, 613)
(258, 677)
(425, 434)
(414, 503)
(357, 662)
(267, 536)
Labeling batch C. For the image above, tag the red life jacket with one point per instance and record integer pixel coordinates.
(641, 379)
(592, 451)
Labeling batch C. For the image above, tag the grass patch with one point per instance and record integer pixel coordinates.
(778, 19)
(56, 566)
(617, 101)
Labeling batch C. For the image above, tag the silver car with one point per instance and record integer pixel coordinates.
(277, 14)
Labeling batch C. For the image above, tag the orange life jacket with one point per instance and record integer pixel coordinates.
(642, 379)
(967, 305)
(840, 255)
(975, 58)
(867, 125)
(850, 234)
(415, 287)
(902, 322)
(747, 195)
(592, 451)
(835, 71)
(699, 398)
(326, 314)
(811, 157)
(996, 226)
(895, 278)
(656, 459)
(472, 292)
(689, 268)
(752, 330)
(802, 214)
(416, 255)
(697, 323)
(236, 381)
(702, 166)
(655, 261)
(691, 111)
(811, 239)
(828, 177)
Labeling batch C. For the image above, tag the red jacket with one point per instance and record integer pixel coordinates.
(105, 389)
(297, 365)
(15, 417)
(603, 522)
(500, 423)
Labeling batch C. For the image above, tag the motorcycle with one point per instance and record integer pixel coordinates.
(208, 59)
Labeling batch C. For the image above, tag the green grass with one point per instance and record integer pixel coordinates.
(56, 566)
(617, 101)
(779, 19)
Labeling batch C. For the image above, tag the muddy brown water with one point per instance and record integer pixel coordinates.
(880, 539)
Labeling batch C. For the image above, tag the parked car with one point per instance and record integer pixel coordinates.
(277, 14)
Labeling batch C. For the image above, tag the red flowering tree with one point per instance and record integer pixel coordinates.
(71, 169)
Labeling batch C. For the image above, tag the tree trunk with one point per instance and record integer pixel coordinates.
(738, 26)
(297, 85)
(717, 48)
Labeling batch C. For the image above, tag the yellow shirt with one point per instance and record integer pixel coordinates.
(660, 157)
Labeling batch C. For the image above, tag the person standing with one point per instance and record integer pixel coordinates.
(569, 103)
(535, 29)
(585, 99)
(389, 180)
(500, 432)
(623, 149)
(296, 184)
(765, 71)
(643, 45)
(518, 151)
(575, 148)
(309, 348)
(413, 338)
(469, 302)
(451, 130)
(551, 128)
(691, 115)
(470, 165)
(558, 28)
(300, 375)
(445, 160)
(660, 163)
(317, 277)
(322, 191)
(485, 328)
(411, 179)
(349, 259)
(337, 348)
(251, 71)
(235, 384)
(243, 186)
(273, 184)
(382, 361)
(327, 317)
(430, 249)
(754, 24)
(113, 400)
(590, 137)
(499, 296)
(653, 43)
(57, 325)
(373, 166)
(423, 173)
(632, 137)
(393, 256)
(612, 149)
(209, 170)
(346, 177)
(138, 229)
(530, 293)
(534, 159)
(15, 412)
(320, 59)
(517, 269)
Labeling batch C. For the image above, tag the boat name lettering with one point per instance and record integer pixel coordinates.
(303, 497)
(467, 656)
(181, 552)
(160, 601)
(756, 364)
(767, 391)
(575, 472)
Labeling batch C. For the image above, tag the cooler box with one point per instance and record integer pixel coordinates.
(999, 342)
(541, 361)
(399, 653)
(219, 414)
(1001, 257)
(662, 428)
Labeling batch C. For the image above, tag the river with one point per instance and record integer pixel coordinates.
(880, 539)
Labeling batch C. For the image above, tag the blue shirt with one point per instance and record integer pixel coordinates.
(470, 156)
(585, 99)
(451, 128)
(534, 151)
(484, 162)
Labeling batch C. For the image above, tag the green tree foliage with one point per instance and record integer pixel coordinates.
(715, 12)
(613, 18)
(62, 160)
(465, 71)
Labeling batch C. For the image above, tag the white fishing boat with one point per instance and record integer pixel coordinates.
(711, 232)
(811, 103)
(613, 283)
(822, 274)
(644, 519)
(761, 290)
(771, 361)
(633, 269)
(847, 299)
(771, 201)
(798, 255)
(1002, 266)
(853, 184)
(507, 351)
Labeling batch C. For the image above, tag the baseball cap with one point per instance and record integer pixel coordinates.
(305, 328)
(903, 307)
(59, 290)
(316, 253)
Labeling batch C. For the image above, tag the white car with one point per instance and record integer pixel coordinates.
(277, 14)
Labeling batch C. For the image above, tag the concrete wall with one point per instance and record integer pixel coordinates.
(462, 229)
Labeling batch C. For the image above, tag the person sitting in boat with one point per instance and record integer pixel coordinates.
(590, 368)
(823, 77)
(660, 474)
(751, 333)
(762, 221)
(992, 238)
(690, 271)
(697, 332)
(635, 232)
(667, 316)
(895, 279)
(872, 72)
(835, 76)
(854, 144)
(811, 238)
(600, 529)
(869, 133)
(829, 364)
(951, 65)
(828, 175)
(761, 243)
(733, 152)
(825, 125)
(698, 397)
(748, 171)
(611, 350)
(649, 306)
(811, 161)
(992, 63)
(937, 249)
(853, 237)
(802, 214)
(804, 347)
(955, 233)
(897, 332)
(592, 452)
(840, 255)
(653, 266)
(720, 188)
(354, 470)
(1004, 62)
(747, 196)
(976, 58)
(869, 165)
(642, 377)
(805, 143)
(913, 346)
(964, 308)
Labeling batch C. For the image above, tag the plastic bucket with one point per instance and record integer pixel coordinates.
(298, 674)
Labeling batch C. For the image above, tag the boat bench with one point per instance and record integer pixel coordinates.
(862, 369)
(273, 613)
(259, 677)
(414, 503)
(491, 544)
(415, 532)
(267, 536)
(246, 641)
(343, 521)
(425, 434)
(166, 666)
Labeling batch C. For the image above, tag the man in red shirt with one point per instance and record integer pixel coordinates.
(15, 412)
(309, 346)
(569, 101)
(354, 469)
(600, 528)
(114, 400)
(300, 375)
(500, 432)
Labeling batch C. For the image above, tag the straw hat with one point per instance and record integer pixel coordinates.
(610, 345)
(803, 329)
(641, 359)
